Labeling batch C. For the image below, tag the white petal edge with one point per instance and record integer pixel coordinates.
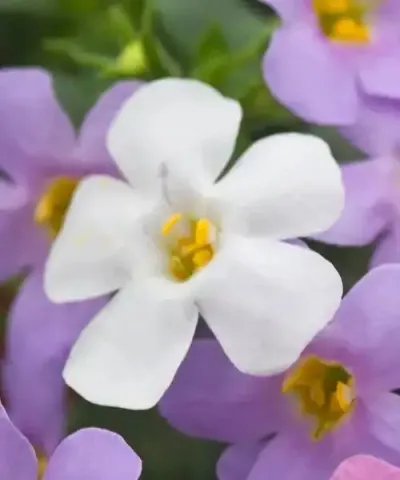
(91, 255)
(266, 300)
(284, 186)
(128, 355)
(180, 126)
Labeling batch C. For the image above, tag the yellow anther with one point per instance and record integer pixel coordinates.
(192, 250)
(202, 231)
(344, 396)
(201, 258)
(324, 391)
(348, 30)
(345, 21)
(53, 204)
(169, 224)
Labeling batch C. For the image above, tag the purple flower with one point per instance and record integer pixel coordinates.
(41, 162)
(89, 454)
(372, 186)
(334, 403)
(328, 52)
(365, 467)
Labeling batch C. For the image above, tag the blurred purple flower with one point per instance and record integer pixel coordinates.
(372, 186)
(89, 454)
(365, 467)
(342, 384)
(327, 52)
(40, 164)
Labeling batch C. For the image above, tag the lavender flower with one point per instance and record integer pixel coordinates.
(334, 403)
(89, 454)
(372, 186)
(41, 163)
(328, 52)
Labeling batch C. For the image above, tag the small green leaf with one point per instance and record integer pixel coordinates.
(213, 44)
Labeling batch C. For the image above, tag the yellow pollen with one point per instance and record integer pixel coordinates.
(53, 204)
(324, 391)
(189, 246)
(345, 20)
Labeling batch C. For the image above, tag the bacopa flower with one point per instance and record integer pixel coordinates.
(176, 244)
(327, 53)
(41, 163)
(335, 402)
(372, 186)
(365, 467)
(88, 454)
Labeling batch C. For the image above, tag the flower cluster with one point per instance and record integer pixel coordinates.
(133, 235)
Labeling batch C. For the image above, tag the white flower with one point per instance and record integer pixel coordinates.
(175, 243)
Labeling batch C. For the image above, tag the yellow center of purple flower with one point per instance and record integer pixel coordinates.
(189, 243)
(42, 464)
(53, 204)
(324, 391)
(344, 21)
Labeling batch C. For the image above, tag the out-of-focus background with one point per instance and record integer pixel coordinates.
(88, 45)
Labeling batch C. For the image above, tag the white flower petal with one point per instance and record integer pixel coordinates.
(90, 256)
(266, 300)
(177, 127)
(129, 354)
(284, 186)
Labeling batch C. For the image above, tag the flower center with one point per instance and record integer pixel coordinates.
(53, 204)
(189, 244)
(344, 20)
(42, 464)
(324, 390)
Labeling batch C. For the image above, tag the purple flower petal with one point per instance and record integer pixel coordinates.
(39, 337)
(36, 136)
(237, 460)
(17, 457)
(368, 207)
(92, 151)
(379, 75)
(388, 248)
(366, 330)
(289, 457)
(309, 77)
(210, 398)
(384, 419)
(22, 245)
(365, 467)
(94, 454)
(377, 129)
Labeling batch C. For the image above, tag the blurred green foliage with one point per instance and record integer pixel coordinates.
(87, 45)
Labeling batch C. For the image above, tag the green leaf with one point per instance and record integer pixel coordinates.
(160, 63)
(213, 44)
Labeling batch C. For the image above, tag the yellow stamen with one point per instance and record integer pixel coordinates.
(42, 464)
(348, 30)
(202, 231)
(345, 21)
(324, 391)
(169, 224)
(201, 258)
(53, 204)
(344, 396)
(190, 249)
